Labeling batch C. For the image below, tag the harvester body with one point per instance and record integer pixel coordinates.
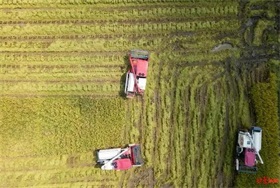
(248, 147)
(120, 158)
(136, 77)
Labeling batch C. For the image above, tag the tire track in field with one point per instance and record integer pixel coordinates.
(202, 101)
(140, 124)
(157, 99)
(186, 100)
(200, 129)
(232, 94)
(224, 142)
(129, 122)
(144, 177)
(172, 122)
(130, 176)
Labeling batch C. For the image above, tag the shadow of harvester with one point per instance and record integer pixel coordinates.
(124, 68)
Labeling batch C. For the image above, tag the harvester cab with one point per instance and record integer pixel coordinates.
(120, 158)
(247, 151)
(136, 77)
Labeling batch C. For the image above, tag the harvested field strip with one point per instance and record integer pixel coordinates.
(65, 29)
(99, 44)
(77, 46)
(48, 69)
(60, 65)
(49, 81)
(70, 78)
(121, 21)
(124, 5)
(80, 37)
(135, 115)
(195, 131)
(42, 53)
(199, 34)
(91, 95)
(91, 14)
(59, 88)
(45, 60)
(151, 105)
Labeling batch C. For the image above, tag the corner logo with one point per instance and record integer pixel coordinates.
(266, 180)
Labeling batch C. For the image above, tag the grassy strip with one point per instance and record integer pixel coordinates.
(265, 100)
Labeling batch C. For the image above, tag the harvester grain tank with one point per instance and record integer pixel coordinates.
(247, 151)
(120, 158)
(136, 77)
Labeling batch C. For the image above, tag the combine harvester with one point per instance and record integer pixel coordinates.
(136, 77)
(248, 147)
(120, 159)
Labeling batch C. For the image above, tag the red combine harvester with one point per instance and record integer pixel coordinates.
(247, 150)
(136, 77)
(120, 159)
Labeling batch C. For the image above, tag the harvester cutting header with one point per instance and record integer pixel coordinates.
(136, 77)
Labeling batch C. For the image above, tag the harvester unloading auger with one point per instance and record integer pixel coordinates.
(136, 77)
(247, 152)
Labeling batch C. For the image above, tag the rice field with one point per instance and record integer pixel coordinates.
(62, 66)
